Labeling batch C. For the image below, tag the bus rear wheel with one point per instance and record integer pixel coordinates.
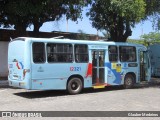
(74, 86)
(129, 81)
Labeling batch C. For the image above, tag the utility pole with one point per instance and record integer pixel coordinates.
(97, 35)
(67, 26)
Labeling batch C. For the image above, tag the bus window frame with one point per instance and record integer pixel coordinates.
(127, 60)
(60, 53)
(75, 54)
(109, 53)
(44, 53)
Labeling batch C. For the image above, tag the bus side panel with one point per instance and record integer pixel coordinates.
(48, 84)
(87, 71)
(48, 76)
(55, 75)
(27, 64)
(117, 72)
(114, 74)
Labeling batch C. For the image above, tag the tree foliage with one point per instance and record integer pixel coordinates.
(153, 12)
(137, 41)
(152, 37)
(116, 16)
(147, 39)
(23, 13)
(152, 6)
(106, 35)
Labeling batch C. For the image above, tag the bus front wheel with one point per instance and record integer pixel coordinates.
(129, 81)
(74, 86)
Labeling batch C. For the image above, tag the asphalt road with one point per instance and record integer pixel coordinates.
(144, 97)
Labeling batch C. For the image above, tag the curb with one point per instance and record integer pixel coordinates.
(4, 83)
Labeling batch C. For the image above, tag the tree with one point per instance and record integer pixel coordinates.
(147, 39)
(151, 38)
(23, 13)
(153, 12)
(106, 35)
(136, 41)
(116, 16)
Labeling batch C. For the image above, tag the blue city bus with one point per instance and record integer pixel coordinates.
(64, 64)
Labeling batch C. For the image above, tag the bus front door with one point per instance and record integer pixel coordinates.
(145, 67)
(98, 69)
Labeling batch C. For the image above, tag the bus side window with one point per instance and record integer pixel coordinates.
(81, 53)
(113, 53)
(127, 54)
(38, 52)
(59, 52)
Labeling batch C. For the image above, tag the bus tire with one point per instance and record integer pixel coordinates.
(129, 81)
(74, 86)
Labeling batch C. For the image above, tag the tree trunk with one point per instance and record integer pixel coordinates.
(120, 32)
(36, 28)
(37, 24)
(20, 29)
(128, 31)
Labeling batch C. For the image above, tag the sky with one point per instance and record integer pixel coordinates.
(86, 26)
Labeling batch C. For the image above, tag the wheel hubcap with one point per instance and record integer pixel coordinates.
(74, 86)
(129, 81)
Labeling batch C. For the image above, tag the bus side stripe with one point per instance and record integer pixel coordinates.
(17, 65)
(89, 70)
(21, 64)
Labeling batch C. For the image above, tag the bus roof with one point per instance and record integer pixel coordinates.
(99, 42)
